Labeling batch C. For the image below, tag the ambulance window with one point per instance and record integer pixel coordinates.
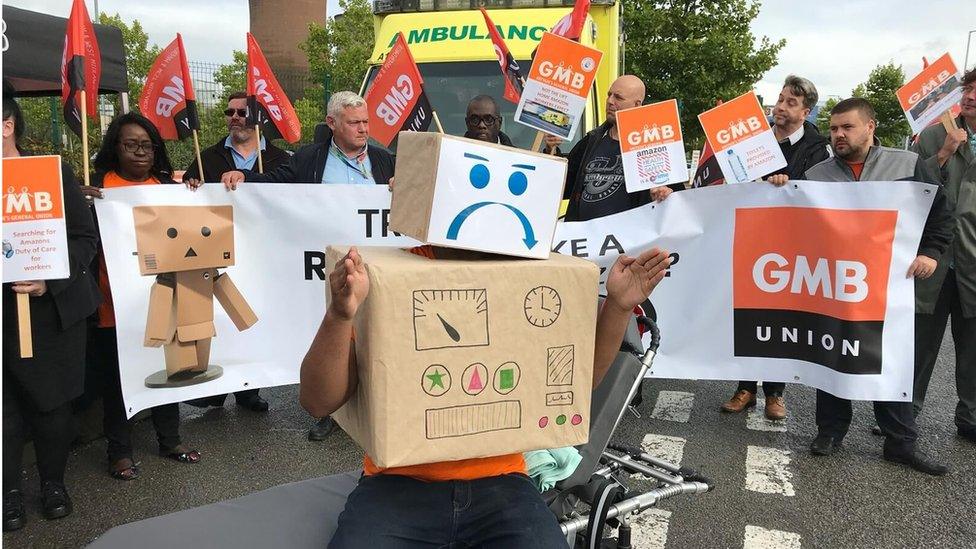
(451, 85)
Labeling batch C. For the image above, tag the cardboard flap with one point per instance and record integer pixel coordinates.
(195, 332)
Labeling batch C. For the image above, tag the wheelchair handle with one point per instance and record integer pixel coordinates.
(651, 327)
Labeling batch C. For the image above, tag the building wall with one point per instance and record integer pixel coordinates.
(279, 27)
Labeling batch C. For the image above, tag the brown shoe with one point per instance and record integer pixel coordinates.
(740, 401)
(775, 407)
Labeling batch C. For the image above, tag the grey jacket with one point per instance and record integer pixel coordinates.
(958, 176)
(887, 164)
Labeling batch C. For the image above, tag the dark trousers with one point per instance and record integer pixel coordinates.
(391, 511)
(103, 356)
(52, 432)
(895, 419)
(770, 388)
(929, 331)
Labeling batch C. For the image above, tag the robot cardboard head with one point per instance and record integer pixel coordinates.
(183, 238)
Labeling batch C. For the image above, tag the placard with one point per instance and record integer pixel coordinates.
(35, 239)
(651, 146)
(742, 141)
(932, 92)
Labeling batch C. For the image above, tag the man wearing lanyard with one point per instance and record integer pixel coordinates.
(344, 156)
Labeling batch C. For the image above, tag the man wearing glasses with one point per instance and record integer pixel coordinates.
(238, 150)
(484, 121)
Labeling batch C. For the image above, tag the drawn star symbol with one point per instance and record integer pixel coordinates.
(436, 379)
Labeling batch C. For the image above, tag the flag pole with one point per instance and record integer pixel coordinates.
(257, 133)
(196, 149)
(84, 137)
(24, 326)
(437, 121)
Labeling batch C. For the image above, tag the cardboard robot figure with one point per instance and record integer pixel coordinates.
(184, 246)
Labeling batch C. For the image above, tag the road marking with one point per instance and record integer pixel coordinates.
(761, 538)
(756, 420)
(650, 529)
(670, 449)
(673, 406)
(767, 471)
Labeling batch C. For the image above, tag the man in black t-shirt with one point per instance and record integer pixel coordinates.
(595, 178)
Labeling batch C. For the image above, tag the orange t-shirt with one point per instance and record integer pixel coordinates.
(857, 168)
(106, 311)
(465, 469)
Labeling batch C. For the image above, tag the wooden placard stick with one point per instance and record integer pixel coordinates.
(24, 326)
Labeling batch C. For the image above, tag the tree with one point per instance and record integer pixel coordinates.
(697, 51)
(880, 89)
(233, 77)
(139, 55)
(823, 116)
(341, 49)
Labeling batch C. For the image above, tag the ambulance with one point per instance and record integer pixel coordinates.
(449, 42)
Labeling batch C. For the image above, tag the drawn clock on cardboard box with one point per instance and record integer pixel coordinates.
(542, 306)
(450, 318)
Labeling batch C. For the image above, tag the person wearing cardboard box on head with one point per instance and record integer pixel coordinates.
(479, 502)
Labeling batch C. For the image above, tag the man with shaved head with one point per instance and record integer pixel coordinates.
(595, 178)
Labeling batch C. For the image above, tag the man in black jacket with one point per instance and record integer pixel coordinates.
(346, 157)
(238, 150)
(484, 121)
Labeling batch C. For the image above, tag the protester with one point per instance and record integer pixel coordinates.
(595, 176)
(37, 392)
(457, 503)
(343, 156)
(951, 291)
(860, 158)
(132, 153)
(803, 147)
(484, 121)
(238, 150)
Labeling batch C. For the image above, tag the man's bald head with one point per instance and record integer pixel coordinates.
(626, 92)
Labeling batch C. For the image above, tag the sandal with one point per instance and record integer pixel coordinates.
(181, 454)
(124, 469)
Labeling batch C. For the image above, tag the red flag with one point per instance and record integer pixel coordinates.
(510, 68)
(81, 67)
(396, 97)
(708, 172)
(167, 98)
(267, 103)
(571, 25)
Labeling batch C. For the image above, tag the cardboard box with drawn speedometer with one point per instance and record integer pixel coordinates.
(471, 358)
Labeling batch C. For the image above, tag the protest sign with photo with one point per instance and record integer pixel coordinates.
(651, 146)
(559, 83)
(35, 240)
(932, 92)
(396, 97)
(741, 139)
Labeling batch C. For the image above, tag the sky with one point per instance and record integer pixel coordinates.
(834, 43)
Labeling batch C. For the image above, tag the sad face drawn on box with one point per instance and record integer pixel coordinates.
(456, 318)
(184, 246)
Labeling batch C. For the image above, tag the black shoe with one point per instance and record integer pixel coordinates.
(968, 433)
(918, 461)
(322, 429)
(253, 402)
(824, 445)
(13, 511)
(215, 401)
(55, 502)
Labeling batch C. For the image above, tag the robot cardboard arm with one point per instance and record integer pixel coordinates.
(233, 302)
(161, 324)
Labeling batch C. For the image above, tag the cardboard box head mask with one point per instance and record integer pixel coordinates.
(183, 238)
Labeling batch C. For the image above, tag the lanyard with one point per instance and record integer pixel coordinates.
(359, 166)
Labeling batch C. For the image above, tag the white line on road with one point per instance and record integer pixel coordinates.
(767, 471)
(670, 449)
(673, 406)
(761, 538)
(649, 530)
(756, 420)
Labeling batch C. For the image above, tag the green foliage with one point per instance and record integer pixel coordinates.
(880, 89)
(823, 117)
(340, 50)
(139, 55)
(697, 51)
(233, 77)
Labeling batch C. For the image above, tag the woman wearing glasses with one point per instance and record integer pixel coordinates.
(132, 153)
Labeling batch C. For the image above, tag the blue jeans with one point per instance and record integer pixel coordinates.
(391, 511)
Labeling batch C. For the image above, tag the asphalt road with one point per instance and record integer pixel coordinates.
(851, 499)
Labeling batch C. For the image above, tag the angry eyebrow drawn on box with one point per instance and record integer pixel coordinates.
(524, 166)
(476, 157)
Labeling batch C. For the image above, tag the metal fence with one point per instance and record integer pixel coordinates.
(210, 90)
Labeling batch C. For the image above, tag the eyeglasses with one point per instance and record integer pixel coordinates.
(240, 112)
(132, 146)
(488, 120)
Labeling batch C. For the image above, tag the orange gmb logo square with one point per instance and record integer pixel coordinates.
(734, 121)
(811, 284)
(32, 189)
(930, 79)
(565, 64)
(654, 124)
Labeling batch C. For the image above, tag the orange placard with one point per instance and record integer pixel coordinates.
(32, 189)
(734, 121)
(937, 77)
(565, 65)
(822, 261)
(655, 124)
